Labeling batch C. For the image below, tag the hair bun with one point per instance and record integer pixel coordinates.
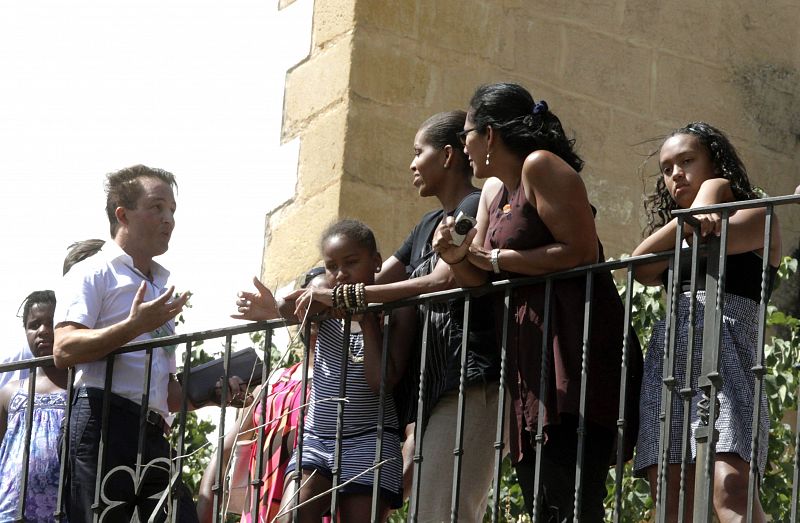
(540, 107)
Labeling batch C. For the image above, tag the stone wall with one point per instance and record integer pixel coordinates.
(617, 72)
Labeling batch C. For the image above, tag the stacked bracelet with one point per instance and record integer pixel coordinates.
(350, 297)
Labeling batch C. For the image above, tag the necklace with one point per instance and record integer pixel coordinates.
(354, 357)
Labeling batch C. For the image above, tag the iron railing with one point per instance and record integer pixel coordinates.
(709, 382)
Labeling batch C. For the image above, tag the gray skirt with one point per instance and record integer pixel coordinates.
(738, 355)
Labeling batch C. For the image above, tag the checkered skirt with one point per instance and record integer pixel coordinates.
(739, 346)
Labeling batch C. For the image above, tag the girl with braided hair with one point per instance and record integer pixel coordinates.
(699, 166)
(535, 218)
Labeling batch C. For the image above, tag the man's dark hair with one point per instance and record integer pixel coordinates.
(81, 250)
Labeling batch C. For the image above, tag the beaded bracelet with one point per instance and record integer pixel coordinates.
(349, 297)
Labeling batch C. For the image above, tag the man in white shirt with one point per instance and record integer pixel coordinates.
(112, 298)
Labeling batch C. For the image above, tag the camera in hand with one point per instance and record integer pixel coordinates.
(462, 226)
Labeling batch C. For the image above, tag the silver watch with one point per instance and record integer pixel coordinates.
(495, 259)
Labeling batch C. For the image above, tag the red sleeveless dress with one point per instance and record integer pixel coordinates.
(515, 224)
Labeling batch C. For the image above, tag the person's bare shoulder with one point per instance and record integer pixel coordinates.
(6, 392)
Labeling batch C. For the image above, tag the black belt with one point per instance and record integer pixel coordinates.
(129, 406)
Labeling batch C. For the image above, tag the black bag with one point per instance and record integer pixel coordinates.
(203, 378)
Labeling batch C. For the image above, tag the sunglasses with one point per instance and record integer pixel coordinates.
(463, 135)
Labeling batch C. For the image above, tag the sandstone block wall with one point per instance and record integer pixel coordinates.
(617, 72)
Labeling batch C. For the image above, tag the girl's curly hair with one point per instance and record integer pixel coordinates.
(727, 164)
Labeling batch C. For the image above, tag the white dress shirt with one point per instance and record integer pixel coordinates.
(98, 292)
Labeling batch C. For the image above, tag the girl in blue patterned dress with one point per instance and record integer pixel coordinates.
(48, 413)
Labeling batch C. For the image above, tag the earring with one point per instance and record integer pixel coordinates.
(378, 268)
(488, 154)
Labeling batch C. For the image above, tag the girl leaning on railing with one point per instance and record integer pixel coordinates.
(699, 167)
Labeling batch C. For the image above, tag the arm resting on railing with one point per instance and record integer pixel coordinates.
(745, 231)
(441, 278)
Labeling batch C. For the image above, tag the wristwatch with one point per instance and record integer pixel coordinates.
(495, 259)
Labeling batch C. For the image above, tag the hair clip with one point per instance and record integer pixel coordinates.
(540, 107)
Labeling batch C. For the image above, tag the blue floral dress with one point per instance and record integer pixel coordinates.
(43, 470)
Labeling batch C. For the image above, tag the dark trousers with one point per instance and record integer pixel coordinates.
(124, 490)
(557, 475)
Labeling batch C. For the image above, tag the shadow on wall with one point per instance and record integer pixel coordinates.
(771, 96)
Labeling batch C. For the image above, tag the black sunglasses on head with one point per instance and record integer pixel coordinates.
(310, 275)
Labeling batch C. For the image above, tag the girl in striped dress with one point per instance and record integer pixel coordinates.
(351, 260)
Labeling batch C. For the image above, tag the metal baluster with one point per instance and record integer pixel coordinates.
(458, 450)
(710, 381)
(376, 479)
(101, 450)
(141, 447)
(219, 487)
(501, 410)
(64, 452)
(623, 393)
(337, 454)
(257, 481)
(758, 369)
(418, 432)
(301, 422)
(587, 334)
(543, 387)
(26, 450)
(687, 391)
(177, 467)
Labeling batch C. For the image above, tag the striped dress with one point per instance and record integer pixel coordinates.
(359, 423)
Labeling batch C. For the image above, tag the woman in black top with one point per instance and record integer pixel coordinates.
(441, 169)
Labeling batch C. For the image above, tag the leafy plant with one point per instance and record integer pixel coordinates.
(781, 354)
